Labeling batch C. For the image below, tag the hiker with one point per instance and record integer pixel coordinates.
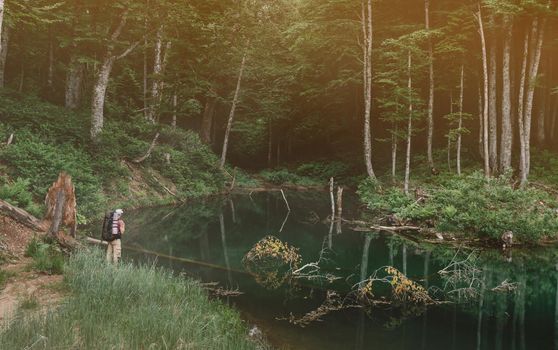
(117, 228)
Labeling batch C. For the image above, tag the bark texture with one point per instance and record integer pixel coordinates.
(3, 53)
(485, 96)
(367, 78)
(74, 79)
(507, 131)
(231, 114)
(61, 205)
(207, 120)
(430, 87)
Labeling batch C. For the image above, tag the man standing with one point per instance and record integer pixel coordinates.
(114, 249)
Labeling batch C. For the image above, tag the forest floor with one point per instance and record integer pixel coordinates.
(21, 287)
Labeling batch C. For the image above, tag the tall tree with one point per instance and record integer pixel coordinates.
(366, 15)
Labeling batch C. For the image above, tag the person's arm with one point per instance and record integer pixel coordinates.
(122, 226)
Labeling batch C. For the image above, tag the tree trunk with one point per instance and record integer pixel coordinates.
(481, 122)
(393, 153)
(507, 131)
(460, 125)
(409, 127)
(1, 23)
(520, 112)
(430, 87)
(450, 133)
(3, 53)
(102, 78)
(50, 77)
(485, 109)
(269, 144)
(541, 132)
(367, 78)
(538, 33)
(156, 84)
(493, 99)
(553, 123)
(233, 109)
(99, 93)
(174, 111)
(74, 79)
(207, 120)
(21, 216)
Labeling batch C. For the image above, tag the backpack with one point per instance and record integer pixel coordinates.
(106, 233)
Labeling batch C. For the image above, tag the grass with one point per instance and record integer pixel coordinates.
(47, 258)
(129, 307)
(4, 277)
(30, 302)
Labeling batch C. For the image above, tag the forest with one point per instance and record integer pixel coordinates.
(436, 118)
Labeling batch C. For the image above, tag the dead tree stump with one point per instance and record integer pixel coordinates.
(61, 205)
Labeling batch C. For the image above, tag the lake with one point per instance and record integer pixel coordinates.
(489, 300)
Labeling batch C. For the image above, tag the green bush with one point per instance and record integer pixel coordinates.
(284, 177)
(324, 170)
(46, 257)
(472, 205)
(17, 193)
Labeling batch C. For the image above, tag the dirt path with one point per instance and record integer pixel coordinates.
(24, 288)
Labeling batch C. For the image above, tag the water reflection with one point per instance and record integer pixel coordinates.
(212, 236)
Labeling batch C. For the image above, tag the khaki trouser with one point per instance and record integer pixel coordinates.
(114, 251)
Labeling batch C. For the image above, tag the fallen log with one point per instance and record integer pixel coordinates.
(149, 150)
(395, 228)
(22, 217)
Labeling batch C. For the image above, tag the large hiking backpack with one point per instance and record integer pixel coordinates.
(106, 233)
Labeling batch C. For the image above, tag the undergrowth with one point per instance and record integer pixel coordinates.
(128, 307)
(50, 139)
(471, 205)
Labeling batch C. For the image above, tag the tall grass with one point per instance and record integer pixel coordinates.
(128, 307)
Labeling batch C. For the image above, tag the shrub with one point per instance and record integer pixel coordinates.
(46, 257)
(284, 177)
(17, 193)
(473, 205)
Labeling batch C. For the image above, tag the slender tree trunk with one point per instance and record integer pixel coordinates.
(99, 93)
(541, 132)
(520, 112)
(507, 131)
(74, 78)
(460, 125)
(145, 105)
(450, 132)
(174, 109)
(21, 77)
(231, 114)
(207, 120)
(367, 78)
(269, 144)
(430, 87)
(158, 68)
(50, 77)
(1, 23)
(3, 53)
(538, 33)
(409, 126)
(393, 153)
(553, 123)
(485, 109)
(493, 99)
(481, 122)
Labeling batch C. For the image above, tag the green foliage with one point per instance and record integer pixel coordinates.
(47, 257)
(49, 139)
(175, 312)
(285, 177)
(473, 205)
(324, 170)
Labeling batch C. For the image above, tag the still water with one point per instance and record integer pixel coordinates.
(492, 300)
